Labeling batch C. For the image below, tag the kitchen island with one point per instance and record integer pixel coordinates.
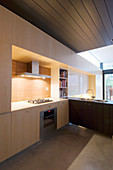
(96, 115)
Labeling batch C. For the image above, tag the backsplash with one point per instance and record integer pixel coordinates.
(29, 88)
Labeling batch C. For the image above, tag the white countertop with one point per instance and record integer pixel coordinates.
(24, 104)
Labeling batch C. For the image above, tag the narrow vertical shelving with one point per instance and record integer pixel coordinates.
(63, 82)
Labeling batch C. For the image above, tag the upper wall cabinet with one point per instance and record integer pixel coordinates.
(5, 77)
(29, 37)
(5, 25)
(18, 27)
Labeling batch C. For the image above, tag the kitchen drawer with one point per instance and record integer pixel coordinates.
(47, 106)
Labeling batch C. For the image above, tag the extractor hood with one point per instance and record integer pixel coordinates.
(33, 71)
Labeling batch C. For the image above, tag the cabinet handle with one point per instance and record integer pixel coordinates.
(27, 111)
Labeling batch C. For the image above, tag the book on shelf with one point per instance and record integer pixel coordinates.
(62, 93)
(63, 83)
(63, 74)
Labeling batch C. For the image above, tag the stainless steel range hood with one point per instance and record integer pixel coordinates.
(33, 71)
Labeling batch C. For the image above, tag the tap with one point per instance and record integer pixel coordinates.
(92, 93)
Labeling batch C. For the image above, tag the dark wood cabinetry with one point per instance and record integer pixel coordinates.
(74, 112)
(92, 116)
(99, 117)
(106, 119)
(96, 116)
(111, 119)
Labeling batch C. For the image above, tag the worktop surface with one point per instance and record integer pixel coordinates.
(24, 104)
(85, 100)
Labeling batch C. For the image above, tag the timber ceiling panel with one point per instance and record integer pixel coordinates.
(79, 24)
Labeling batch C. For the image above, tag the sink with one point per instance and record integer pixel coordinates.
(93, 100)
(100, 100)
(88, 99)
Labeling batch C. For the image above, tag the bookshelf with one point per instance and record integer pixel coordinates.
(63, 82)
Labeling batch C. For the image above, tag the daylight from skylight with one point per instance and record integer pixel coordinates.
(100, 55)
(88, 56)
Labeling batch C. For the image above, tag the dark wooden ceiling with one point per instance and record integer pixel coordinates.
(79, 24)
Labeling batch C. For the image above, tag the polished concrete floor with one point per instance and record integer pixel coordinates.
(97, 155)
(71, 147)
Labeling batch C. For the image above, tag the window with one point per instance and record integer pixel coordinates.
(108, 84)
(107, 66)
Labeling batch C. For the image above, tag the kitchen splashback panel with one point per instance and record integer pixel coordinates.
(29, 88)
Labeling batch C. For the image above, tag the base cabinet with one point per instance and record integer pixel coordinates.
(111, 120)
(25, 128)
(62, 113)
(96, 116)
(5, 136)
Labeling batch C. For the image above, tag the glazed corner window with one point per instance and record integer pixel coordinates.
(108, 86)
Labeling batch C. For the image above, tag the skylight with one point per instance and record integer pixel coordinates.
(90, 57)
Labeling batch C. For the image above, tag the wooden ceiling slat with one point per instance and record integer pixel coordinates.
(90, 6)
(77, 18)
(102, 10)
(70, 39)
(79, 5)
(61, 14)
(53, 13)
(109, 4)
(79, 24)
(26, 12)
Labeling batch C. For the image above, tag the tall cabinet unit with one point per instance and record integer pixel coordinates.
(59, 82)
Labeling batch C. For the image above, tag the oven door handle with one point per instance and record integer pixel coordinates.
(48, 116)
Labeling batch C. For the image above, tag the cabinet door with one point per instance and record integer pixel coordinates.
(65, 111)
(84, 114)
(106, 120)
(74, 112)
(62, 113)
(5, 77)
(100, 117)
(5, 136)
(17, 131)
(25, 128)
(111, 120)
(31, 126)
(93, 116)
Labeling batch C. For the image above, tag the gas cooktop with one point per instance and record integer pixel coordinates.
(38, 101)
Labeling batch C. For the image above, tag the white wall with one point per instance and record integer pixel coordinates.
(77, 83)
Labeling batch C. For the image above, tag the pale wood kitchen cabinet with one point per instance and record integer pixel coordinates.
(5, 77)
(47, 106)
(25, 128)
(5, 136)
(62, 113)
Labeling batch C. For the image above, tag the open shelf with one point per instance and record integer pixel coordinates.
(63, 82)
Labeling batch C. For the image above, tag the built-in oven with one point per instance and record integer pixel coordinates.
(48, 122)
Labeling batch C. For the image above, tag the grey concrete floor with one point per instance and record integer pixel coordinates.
(97, 155)
(71, 147)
